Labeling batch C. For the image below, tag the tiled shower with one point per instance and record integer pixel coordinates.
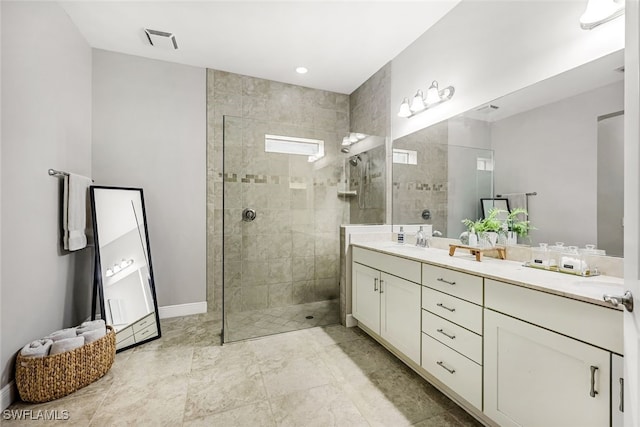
(281, 271)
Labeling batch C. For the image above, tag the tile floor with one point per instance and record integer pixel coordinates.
(259, 323)
(323, 376)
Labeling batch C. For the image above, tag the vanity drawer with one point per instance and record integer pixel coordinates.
(123, 334)
(460, 374)
(454, 309)
(462, 285)
(148, 332)
(593, 324)
(394, 265)
(130, 340)
(458, 338)
(144, 323)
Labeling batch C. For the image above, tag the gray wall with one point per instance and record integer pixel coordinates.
(46, 116)
(552, 150)
(149, 131)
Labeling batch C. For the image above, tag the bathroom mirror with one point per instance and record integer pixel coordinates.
(549, 139)
(124, 286)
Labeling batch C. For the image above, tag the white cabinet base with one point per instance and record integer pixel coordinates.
(534, 377)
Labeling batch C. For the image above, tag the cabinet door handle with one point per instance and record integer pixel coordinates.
(445, 307)
(375, 285)
(453, 337)
(381, 282)
(441, 364)
(593, 391)
(440, 279)
(621, 406)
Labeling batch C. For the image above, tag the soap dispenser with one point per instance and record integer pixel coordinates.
(473, 238)
(401, 236)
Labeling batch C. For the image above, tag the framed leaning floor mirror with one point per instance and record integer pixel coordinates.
(124, 290)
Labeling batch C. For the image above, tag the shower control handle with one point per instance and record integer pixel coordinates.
(248, 215)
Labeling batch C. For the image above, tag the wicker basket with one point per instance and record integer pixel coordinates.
(42, 379)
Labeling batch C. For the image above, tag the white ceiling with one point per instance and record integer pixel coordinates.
(341, 42)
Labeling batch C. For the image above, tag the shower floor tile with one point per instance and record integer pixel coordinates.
(257, 323)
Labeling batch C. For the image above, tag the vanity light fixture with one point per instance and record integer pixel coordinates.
(600, 11)
(118, 267)
(420, 103)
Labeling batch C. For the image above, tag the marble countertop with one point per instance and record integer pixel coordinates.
(587, 289)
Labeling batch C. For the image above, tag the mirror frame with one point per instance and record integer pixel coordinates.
(98, 287)
(489, 203)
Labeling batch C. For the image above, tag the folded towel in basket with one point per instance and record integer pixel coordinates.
(93, 335)
(62, 334)
(67, 344)
(91, 325)
(37, 348)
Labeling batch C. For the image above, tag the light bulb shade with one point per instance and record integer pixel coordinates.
(433, 95)
(600, 11)
(405, 111)
(346, 141)
(360, 136)
(353, 138)
(417, 104)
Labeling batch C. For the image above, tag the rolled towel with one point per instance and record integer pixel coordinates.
(94, 335)
(67, 344)
(62, 334)
(90, 326)
(38, 348)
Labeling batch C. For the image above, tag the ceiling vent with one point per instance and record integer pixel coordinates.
(161, 39)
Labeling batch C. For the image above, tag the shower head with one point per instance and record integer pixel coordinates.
(345, 149)
(354, 160)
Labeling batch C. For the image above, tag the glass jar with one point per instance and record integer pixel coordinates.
(572, 261)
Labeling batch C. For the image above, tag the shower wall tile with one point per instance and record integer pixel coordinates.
(226, 82)
(233, 273)
(254, 273)
(327, 266)
(253, 87)
(303, 268)
(280, 270)
(303, 243)
(280, 294)
(304, 292)
(255, 298)
(327, 289)
(233, 299)
(255, 248)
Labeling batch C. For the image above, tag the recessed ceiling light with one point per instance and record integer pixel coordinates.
(301, 70)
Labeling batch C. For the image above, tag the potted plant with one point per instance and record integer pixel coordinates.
(487, 228)
(517, 225)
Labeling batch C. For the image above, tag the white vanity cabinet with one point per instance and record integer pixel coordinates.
(536, 373)
(386, 300)
(452, 330)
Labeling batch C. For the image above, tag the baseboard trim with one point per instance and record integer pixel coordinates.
(351, 321)
(8, 395)
(182, 309)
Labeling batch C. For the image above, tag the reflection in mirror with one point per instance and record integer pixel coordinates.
(445, 182)
(558, 138)
(494, 203)
(123, 262)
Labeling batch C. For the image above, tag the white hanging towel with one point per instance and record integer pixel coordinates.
(517, 200)
(74, 212)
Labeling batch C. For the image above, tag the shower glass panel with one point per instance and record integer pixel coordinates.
(281, 218)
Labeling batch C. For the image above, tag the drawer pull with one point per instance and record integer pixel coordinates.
(621, 406)
(440, 279)
(593, 391)
(375, 285)
(381, 282)
(453, 337)
(445, 307)
(441, 364)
